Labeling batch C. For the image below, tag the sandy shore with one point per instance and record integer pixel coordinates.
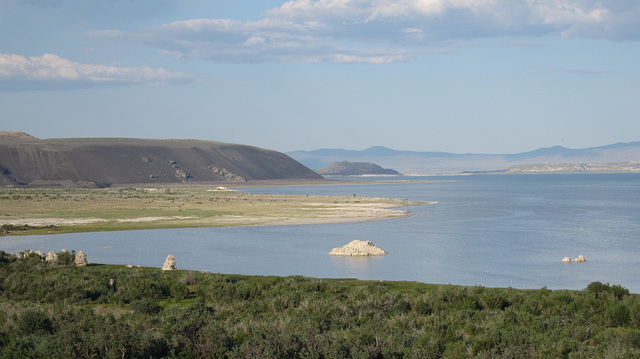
(323, 214)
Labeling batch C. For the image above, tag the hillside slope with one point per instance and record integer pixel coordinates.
(102, 162)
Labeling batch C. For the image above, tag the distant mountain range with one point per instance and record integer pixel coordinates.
(415, 162)
(102, 162)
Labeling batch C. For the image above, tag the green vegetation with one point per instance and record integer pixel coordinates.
(53, 310)
(50, 211)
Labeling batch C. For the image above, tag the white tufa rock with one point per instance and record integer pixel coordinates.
(580, 259)
(51, 256)
(27, 252)
(80, 259)
(169, 263)
(358, 248)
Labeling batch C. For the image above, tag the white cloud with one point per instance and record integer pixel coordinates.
(50, 67)
(252, 41)
(582, 18)
(382, 31)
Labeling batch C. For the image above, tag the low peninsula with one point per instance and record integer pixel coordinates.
(66, 210)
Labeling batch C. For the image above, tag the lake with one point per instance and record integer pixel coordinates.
(489, 230)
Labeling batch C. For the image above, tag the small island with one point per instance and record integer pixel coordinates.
(344, 168)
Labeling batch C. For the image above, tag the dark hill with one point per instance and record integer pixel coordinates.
(344, 168)
(26, 160)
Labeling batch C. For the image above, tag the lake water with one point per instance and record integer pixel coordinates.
(489, 230)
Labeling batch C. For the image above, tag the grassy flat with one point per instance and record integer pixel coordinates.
(47, 211)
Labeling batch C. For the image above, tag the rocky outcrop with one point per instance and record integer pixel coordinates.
(169, 263)
(227, 175)
(358, 248)
(80, 259)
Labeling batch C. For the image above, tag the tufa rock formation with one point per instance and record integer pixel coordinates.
(51, 256)
(26, 253)
(169, 263)
(80, 259)
(580, 259)
(358, 248)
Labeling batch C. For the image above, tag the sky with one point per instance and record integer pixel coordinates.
(460, 76)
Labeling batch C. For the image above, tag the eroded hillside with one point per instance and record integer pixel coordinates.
(100, 162)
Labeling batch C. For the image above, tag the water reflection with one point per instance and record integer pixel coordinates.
(358, 266)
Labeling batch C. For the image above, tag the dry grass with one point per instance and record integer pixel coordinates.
(82, 210)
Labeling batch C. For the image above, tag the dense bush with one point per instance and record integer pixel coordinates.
(60, 311)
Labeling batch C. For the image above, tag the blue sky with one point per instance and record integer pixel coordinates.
(463, 76)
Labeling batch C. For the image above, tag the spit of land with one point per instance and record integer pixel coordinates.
(64, 210)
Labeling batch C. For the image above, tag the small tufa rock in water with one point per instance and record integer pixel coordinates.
(358, 248)
(580, 259)
(169, 263)
(80, 259)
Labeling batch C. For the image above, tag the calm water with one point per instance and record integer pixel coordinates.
(490, 230)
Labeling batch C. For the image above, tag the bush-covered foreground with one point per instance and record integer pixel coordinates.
(53, 310)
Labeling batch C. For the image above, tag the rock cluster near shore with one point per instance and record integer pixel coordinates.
(77, 259)
(358, 248)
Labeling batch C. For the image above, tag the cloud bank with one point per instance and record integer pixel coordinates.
(33, 72)
(382, 31)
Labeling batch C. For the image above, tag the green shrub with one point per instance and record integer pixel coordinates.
(617, 315)
(65, 258)
(33, 322)
(178, 290)
(599, 289)
(296, 317)
(146, 306)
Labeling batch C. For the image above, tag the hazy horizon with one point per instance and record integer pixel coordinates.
(451, 76)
